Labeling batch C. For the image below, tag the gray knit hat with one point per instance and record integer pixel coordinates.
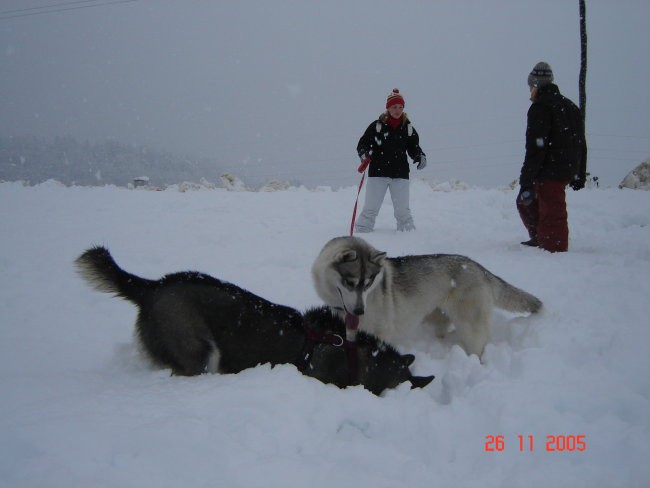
(541, 75)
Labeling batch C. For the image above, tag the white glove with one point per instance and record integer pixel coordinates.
(423, 162)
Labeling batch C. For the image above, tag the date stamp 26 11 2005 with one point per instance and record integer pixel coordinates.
(528, 443)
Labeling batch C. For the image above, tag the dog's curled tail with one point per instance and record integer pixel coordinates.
(513, 299)
(99, 269)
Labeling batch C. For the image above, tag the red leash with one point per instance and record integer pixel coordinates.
(352, 321)
(356, 202)
(351, 350)
(361, 169)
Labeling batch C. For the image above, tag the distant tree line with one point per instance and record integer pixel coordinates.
(71, 162)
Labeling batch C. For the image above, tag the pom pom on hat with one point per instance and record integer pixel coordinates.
(541, 75)
(394, 98)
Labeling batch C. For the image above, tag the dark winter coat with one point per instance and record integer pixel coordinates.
(556, 148)
(387, 147)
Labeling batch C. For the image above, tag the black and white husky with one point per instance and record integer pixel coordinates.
(194, 323)
(391, 295)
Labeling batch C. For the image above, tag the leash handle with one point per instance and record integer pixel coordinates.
(356, 202)
(364, 164)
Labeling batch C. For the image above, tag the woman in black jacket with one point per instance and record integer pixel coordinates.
(384, 147)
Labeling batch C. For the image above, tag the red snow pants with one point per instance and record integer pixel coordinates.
(546, 217)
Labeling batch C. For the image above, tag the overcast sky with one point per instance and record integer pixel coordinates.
(284, 89)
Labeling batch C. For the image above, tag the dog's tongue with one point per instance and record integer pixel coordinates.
(351, 321)
(351, 326)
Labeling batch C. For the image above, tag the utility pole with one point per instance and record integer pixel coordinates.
(583, 61)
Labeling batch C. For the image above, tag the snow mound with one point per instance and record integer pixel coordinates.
(638, 178)
(232, 183)
(275, 185)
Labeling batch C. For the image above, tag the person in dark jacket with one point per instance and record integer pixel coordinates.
(384, 147)
(556, 155)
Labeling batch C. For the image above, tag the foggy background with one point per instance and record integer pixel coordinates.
(284, 89)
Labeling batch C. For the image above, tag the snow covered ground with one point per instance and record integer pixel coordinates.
(80, 408)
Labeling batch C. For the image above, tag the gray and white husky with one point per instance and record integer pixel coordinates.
(392, 295)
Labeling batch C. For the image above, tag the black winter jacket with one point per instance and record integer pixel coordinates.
(387, 148)
(556, 148)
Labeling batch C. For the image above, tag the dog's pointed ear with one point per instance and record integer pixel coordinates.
(420, 381)
(346, 256)
(408, 359)
(378, 257)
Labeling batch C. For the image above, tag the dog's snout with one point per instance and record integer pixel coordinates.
(358, 311)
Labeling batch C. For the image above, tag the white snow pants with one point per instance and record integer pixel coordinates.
(375, 192)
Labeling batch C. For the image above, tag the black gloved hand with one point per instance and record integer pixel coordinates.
(526, 196)
(423, 162)
(577, 184)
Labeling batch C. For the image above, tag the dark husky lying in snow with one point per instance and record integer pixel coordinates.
(194, 323)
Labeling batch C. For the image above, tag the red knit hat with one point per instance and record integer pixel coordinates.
(394, 98)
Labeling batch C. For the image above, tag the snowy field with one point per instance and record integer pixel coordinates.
(80, 408)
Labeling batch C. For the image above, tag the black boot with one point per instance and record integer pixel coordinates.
(532, 242)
